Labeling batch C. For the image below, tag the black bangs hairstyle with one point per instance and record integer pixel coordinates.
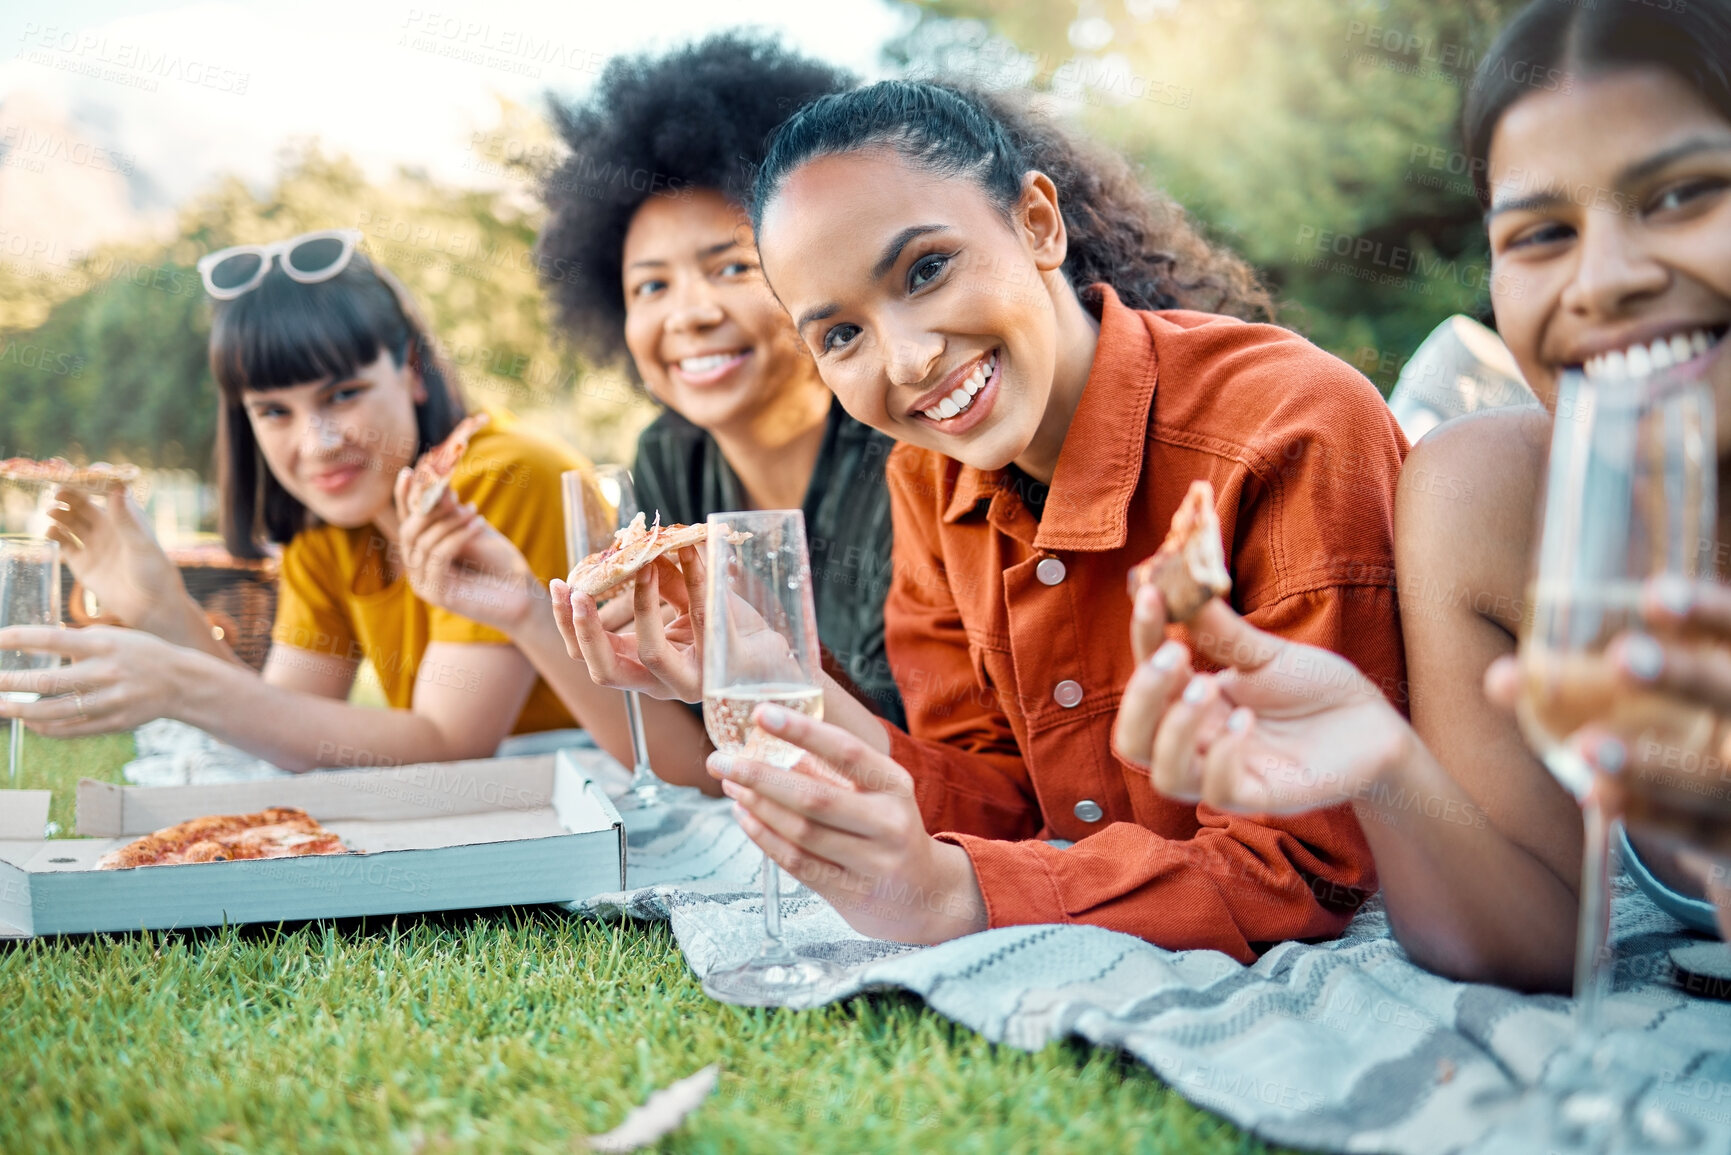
(694, 119)
(1550, 45)
(285, 333)
(1137, 240)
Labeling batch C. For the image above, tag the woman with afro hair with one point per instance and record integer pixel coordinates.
(657, 269)
(660, 269)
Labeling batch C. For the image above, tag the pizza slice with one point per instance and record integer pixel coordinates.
(276, 832)
(1189, 568)
(433, 471)
(634, 547)
(94, 479)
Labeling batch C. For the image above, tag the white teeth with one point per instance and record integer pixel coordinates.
(1638, 361)
(706, 363)
(1640, 364)
(964, 394)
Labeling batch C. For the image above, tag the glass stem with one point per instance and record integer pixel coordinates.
(641, 774)
(774, 950)
(1592, 946)
(16, 759)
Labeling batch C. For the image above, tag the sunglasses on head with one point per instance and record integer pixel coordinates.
(308, 258)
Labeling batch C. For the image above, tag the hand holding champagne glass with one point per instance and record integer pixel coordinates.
(760, 646)
(594, 510)
(29, 596)
(1631, 495)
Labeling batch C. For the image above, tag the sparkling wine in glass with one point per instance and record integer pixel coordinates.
(595, 507)
(760, 646)
(1631, 494)
(29, 596)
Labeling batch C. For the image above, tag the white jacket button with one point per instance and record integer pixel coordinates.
(1067, 693)
(1050, 571)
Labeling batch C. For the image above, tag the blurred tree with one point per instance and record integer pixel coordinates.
(1315, 136)
(103, 353)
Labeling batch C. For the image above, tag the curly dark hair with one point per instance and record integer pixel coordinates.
(1138, 240)
(695, 118)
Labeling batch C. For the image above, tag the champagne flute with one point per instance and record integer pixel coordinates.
(1631, 494)
(596, 507)
(760, 645)
(29, 596)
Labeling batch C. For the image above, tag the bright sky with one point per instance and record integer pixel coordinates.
(186, 92)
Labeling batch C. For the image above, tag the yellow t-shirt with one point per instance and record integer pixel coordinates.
(333, 597)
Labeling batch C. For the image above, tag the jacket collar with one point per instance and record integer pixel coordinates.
(1100, 465)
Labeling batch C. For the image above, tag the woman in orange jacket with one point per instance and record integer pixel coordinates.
(1047, 342)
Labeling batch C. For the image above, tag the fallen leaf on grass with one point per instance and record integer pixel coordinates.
(661, 1114)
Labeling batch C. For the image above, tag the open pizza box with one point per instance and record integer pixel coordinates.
(438, 836)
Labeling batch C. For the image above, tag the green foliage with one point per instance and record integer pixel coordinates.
(505, 1031)
(102, 354)
(1317, 137)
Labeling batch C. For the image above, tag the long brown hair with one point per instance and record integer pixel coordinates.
(285, 333)
(1139, 241)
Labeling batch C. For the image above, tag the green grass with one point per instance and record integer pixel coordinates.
(519, 1030)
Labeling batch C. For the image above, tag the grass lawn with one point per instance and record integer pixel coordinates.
(517, 1030)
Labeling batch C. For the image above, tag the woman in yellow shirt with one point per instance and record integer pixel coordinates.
(329, 388)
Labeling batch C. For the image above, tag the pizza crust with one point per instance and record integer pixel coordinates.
(277, 832)
(634, 547)
(434, 469)
(1189, 568)
(95, 479)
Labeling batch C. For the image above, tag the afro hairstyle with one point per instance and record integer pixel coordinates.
(695, 118)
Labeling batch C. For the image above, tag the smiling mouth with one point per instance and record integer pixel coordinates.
(709, 367)
(336, 479)
(961, 399)
(1639, 361)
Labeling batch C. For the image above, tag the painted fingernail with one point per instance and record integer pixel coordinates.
(731, 789)
(1610, 756)
(721, 764)
(772, 717)
(1674, 593)
(1196, 692)
(1167, 657)
(1643, 657)
(1238, 721)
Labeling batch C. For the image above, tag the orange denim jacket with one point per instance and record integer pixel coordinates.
(1010, 636)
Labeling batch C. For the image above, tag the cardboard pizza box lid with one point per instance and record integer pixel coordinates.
(435, 836)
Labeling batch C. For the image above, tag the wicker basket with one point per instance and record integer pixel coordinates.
(238, 597)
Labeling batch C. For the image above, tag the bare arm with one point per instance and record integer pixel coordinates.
(1477, 848)
(294, 715)
(1493, 900)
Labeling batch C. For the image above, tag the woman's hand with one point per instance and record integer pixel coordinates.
(1656, 708)
(844, 822)
(118, 679)
(657, 655)
(112, 552)
(457, 561)
(1285, 727)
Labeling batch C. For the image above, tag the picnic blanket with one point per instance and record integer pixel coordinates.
(1340, 1046)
